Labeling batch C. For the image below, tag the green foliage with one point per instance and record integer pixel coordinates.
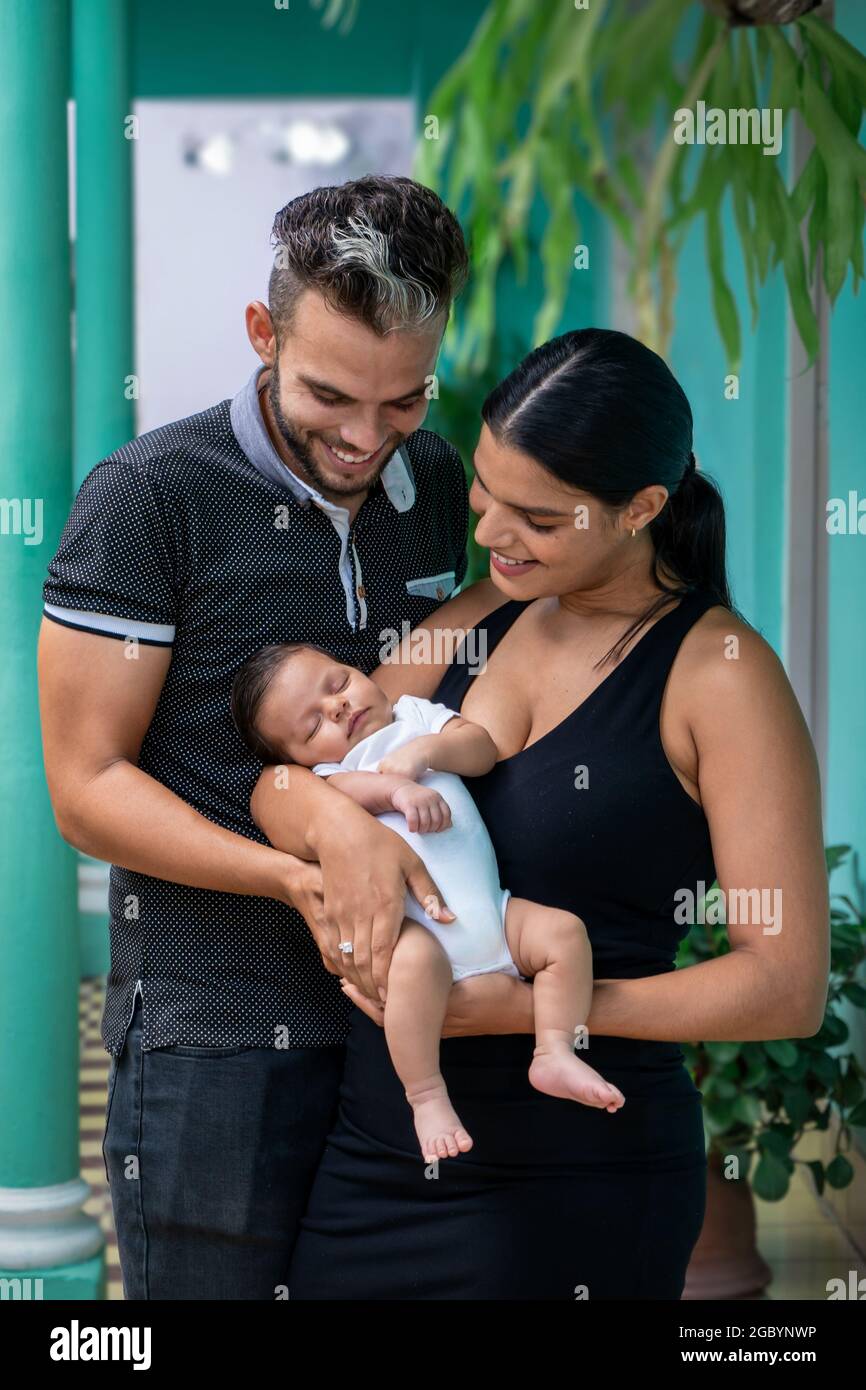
(761, 1097)
(457, 416)
(549, 103)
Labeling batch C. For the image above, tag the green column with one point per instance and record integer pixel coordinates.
(104, 405)
(104, 354)
(44, 1235)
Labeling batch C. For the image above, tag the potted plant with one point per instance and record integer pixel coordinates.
(760, 1098)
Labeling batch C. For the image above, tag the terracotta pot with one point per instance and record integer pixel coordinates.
(725, 1262)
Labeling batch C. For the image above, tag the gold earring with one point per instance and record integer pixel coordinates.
(632, 532)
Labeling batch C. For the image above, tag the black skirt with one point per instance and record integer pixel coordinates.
(556, 1200)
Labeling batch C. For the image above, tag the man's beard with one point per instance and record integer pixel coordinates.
(304, 456)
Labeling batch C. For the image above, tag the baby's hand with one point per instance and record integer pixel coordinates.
(411, 761)
(425, 810)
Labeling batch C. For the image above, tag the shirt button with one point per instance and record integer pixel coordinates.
(440, 592)
(361, 591)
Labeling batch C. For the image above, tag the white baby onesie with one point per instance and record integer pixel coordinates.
(460, 859)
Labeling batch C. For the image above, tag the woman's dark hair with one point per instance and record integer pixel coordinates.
(604, 414)
(249, 688)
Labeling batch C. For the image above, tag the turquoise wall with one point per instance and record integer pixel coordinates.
(740, 442)
(846, 775)
(219, 48)
(846, 802)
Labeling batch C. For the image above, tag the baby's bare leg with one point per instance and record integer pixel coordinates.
(419, 981)
(553, 947)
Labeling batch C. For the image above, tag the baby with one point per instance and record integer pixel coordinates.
(295, 703)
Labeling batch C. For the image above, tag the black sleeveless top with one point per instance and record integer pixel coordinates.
(592, 818)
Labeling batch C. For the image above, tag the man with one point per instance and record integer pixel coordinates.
(311, 507)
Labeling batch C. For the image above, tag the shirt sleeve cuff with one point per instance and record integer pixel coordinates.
(109, 625)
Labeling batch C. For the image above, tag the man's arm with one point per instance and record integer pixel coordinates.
(96, 705)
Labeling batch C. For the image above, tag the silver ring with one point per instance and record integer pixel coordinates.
(346, 947)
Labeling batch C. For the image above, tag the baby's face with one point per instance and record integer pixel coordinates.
(316, 709)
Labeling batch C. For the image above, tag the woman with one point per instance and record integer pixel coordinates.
(649, 742)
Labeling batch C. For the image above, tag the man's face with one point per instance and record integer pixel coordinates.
(335, 385)
(316, 709)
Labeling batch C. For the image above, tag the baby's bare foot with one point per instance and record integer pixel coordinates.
(566, 1076)
(437, 1123)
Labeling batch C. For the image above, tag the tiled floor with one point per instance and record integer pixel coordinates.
(807, 1241)
(803, 1240)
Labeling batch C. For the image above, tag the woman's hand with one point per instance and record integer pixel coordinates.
(495, 1003)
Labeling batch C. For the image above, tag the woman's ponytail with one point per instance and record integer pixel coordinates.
(689, 535)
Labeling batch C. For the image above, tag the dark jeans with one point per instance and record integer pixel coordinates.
(211, 1153)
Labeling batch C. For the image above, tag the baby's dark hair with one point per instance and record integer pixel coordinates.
(249, 688)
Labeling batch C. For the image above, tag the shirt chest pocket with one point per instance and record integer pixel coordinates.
(431, 585)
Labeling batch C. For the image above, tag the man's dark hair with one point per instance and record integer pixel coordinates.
(386, 251)
(249, 688)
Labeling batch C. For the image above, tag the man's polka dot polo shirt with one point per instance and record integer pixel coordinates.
(196, 536)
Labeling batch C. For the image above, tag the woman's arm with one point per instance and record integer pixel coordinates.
(760, 789)
(419, 663)
(756, 770)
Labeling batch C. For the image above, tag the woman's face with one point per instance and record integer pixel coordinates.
(561, 539)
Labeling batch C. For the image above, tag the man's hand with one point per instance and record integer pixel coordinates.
(410, 761)
(366, 871)
(424, 809)
(495, 1003)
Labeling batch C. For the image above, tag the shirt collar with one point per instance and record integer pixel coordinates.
(252, 434)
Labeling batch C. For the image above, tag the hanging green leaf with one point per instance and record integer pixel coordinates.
(650, 71)
(835, 141)
(806, 186)
(742, 163)
(724, 304)
(557, 245)
(843, 55)
(636, 44)
(842, 199)
(595, 88)
(794, 264)
(626, 167)
(785, 80)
